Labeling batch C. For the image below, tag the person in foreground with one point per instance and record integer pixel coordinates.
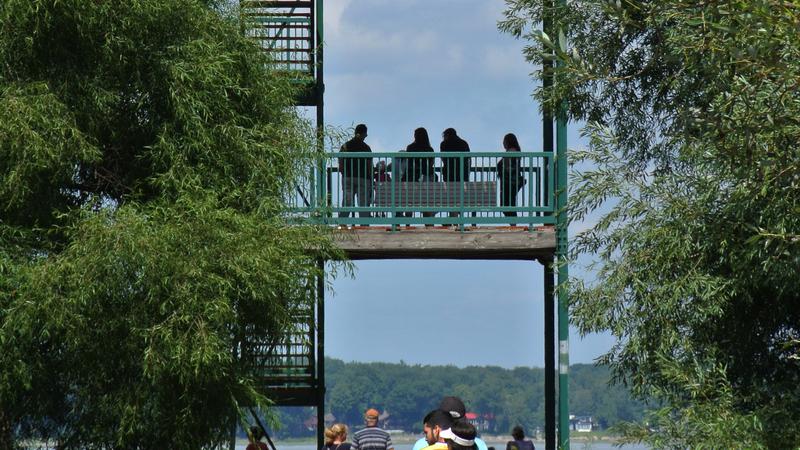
(455, 408)
(519, 442)
(434, 423)
(371, 437)
(461, 436)
(255, 439)
(335, 437)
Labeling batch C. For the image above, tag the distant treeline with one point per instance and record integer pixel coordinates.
(501, 397)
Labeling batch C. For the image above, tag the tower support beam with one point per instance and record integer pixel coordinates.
(549, 356)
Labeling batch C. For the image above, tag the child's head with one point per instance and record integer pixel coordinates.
(382, 166)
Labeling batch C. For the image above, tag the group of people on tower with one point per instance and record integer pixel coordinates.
(445, 428)
(359, 174)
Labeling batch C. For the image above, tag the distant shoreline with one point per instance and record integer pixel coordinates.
(497, 441)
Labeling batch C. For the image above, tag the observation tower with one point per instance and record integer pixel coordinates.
(428, 218)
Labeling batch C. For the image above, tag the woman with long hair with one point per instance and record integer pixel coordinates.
(421, 168)
(509, 174)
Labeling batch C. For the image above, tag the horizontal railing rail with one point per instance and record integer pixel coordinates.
(421, 188)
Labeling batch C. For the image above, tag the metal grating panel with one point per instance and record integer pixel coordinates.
(285, 31)
(287, 360)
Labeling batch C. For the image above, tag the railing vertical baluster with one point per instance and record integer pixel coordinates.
(531, 161)
(462, 210)
(394, 202)
(551, 184)
(327, 185)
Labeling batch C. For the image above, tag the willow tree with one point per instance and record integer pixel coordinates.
(693, 177)
(145, 155)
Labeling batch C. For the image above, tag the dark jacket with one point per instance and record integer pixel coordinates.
(356, 167)
(520, 445)
(450, 166)
(419, 167)
(509, 171)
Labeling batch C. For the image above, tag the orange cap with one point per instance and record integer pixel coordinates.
(372, 413)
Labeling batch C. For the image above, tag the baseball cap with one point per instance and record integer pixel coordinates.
(371, 413)
(453, 406)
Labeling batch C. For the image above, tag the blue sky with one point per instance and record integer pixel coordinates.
(397, 65)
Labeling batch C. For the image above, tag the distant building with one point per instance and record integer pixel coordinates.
(581, 424)
(310, 423)
(383, 419)
(330, 419)
(481, 422)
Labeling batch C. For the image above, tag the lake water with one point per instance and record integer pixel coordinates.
(576, 445)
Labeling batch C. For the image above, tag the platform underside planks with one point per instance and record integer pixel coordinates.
(441, 243)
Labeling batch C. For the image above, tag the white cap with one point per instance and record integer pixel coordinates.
(448, 434)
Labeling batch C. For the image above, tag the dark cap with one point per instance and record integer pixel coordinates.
(439, 418)
(453, 406)
(361, 129)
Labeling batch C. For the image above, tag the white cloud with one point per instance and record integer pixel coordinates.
(334, 12)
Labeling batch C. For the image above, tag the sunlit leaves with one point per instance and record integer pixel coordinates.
(145, 155)
(692, 185)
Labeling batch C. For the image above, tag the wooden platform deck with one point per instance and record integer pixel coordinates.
(514, 243)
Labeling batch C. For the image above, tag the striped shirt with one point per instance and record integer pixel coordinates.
(371, 438)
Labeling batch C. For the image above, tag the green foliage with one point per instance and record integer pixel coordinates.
(512, 397)
(145, 157)
(694, 172)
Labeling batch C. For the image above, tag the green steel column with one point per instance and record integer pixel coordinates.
(549, 354)
(319, 91)
(549, 297)
(562, 241)
(563, 294)
(321, 354)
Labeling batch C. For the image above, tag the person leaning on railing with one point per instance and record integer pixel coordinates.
(509, 174)
(356, 173)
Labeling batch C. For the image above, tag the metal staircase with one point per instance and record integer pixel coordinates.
(287, 31)
(286, 364)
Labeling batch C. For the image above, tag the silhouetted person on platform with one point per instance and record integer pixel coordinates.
(356, 173)
(421, 168)
(454, 169)
(510, 176)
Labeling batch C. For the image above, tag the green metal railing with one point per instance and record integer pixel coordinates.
(461, 189)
